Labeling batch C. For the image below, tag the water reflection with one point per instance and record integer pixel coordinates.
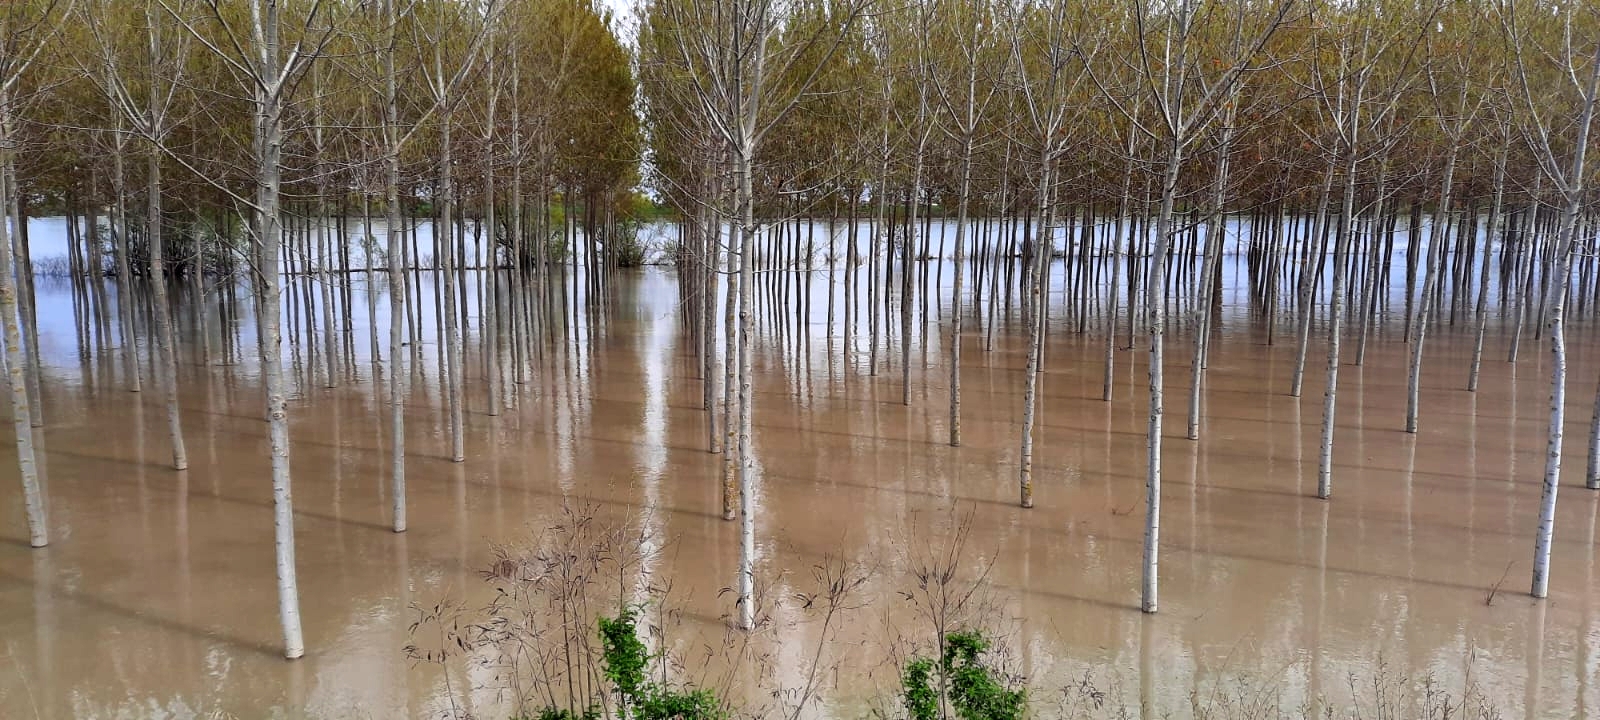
(157, 596)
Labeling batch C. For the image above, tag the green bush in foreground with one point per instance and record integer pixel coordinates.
(625, 663)
(963, 680)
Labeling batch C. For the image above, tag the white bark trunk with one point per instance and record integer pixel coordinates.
(269, 228)
(1308, 282)
(1491, 228)
(1030, 388)
(1156, 307)
(119, 249)
(33, 498)
(1436, 240)
(1330, 393)
(397, 283)
(747, 233)
(446, 235)
(166, 352)
(1208, 267)
(1566, 245)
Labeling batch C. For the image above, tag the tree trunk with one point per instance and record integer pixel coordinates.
(33, 498)
(398, 295)
(445, 234)
(1491, 225)
(1035, 327)
(269, 228)
(119, 244)
(956, 302)
(747, 540)
(1115, 248)
(1208, 265)
(1156, 308)
(1341, 250)
(1436, 241)
(167, 363)
(1566, 246)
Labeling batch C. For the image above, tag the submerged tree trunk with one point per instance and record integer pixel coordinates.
(747, 537)
(166, 360)
(1490, 227)
(1341, 250)
(1566, 246)
(269, 102)
(397, 282)
(1208, 268)
(1308, 281)
(1112, 286)
(444, 234)
(1156, 308)
(1436, 240)
(1035, 318)
(33, 497)
(956, 301)
(119, 245)
(732, 366)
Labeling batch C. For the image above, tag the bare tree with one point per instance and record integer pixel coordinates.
(1184, 101)
(1455, 110)
(746, 74)
(26, 29)
(1539, 132)
(965, 97)
(150, 118)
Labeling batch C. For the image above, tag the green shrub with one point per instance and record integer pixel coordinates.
(971, 687)
(626, 658)
(626, 663)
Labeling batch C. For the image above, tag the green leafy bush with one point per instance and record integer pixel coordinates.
(971, 687)
(626, 663)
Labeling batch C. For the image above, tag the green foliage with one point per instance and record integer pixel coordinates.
(627, 660)
(921, 699)
(684, 705)
(626, 664)
(972, 688)
(555, 713)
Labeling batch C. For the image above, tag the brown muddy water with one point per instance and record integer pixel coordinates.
(156, 597)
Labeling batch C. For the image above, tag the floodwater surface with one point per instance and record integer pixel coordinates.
(156, 597)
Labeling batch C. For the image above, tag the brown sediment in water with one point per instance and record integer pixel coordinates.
(157, 597)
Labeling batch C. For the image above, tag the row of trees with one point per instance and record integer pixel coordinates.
(207, 135)
(182, 137)
(1132, 129)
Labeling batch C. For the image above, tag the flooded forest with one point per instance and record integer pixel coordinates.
(800, 359)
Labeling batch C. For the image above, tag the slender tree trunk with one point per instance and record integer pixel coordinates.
(1156, 308)
(397, 281)
(1341, 250)
(1436, 242)
(33, 497)
(1030, 387)
(1491, 228)
(1566, 246)
(119, 237)
(1115, 248)
(737, 292)
(489, 308)
(1212, 255)
(269, 228)
(747, 233)
(1309, 272)
(167, 363)
(25, 297)
(445, 234)
(956, 302)
(905, 284)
